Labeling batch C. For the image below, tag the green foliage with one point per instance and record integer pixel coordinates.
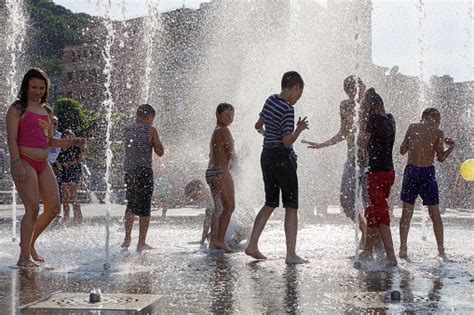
(53, 27)
(52, 65)
(72, 115)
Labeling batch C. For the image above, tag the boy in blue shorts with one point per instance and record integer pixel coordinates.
(422, 142)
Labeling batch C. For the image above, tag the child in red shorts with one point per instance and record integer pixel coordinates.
(378, 138)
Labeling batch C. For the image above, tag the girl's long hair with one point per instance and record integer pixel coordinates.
(373, 102)
(22, 102)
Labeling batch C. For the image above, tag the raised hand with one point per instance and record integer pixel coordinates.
(302, 124)
(449, 141)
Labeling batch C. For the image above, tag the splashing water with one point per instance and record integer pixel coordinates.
(108, 105)
(15, 38)
(422, 101)
(357, 125)
(151, 28)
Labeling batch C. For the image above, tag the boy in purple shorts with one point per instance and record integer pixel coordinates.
(422, 142)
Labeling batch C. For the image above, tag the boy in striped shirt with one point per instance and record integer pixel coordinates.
(278, 162)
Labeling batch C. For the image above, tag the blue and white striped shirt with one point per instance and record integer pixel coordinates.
(279, 119)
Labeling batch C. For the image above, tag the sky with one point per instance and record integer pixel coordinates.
(447, 36)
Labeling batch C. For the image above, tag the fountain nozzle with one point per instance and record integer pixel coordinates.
(95, 296)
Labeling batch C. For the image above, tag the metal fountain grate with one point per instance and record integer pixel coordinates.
(110, 302)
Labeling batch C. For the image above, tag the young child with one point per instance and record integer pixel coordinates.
(70, 163)
(140, 139)
(422, 142)
(278, 162)
(163, 189)
(196, 193)
(54, 153)
(30, 135)
(219, 178)
(378, 139)
(347, 132)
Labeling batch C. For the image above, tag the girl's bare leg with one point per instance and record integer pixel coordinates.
(29, 194)
(49, 193)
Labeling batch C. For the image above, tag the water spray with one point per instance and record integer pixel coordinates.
(151, 28)
(108, 104)
(358, 188)
(16, 35)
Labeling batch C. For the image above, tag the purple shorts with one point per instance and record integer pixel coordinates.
(420, 181)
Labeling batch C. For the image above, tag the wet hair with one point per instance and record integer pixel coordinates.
(373, 101)
(145, 110)
(350, 82)
(222, 107)
(192, 186)
(290, 79)
(22, 102)
(431, 113)
(68, 132)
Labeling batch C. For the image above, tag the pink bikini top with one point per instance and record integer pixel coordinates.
(33, 131)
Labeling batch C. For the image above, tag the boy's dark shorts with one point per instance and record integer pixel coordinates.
(279, 173)
(139, 183)
(420, 181)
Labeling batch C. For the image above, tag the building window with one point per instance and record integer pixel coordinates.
(73, 56)
(81, 75)
(70, 76)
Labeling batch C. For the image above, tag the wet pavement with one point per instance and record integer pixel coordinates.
(190, 279)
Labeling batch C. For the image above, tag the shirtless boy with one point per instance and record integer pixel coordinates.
(219, 178)
(422, 142)
(347, 132)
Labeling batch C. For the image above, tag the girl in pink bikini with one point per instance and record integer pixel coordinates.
(30, 135)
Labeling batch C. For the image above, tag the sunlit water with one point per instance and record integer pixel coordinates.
(192, 279)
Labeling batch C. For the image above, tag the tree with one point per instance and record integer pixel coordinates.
(52, 28)
(72, 115)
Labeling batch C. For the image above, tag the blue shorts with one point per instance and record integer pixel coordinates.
(420, 181)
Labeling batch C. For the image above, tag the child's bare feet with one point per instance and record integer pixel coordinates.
(443, 256)
(365, 255)
(26, 263)
(220, 245)
(144, 247)
(126, 243)
(255, 253)
(293, 260)
(35, 255)
(403, 253)
(392, 260)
